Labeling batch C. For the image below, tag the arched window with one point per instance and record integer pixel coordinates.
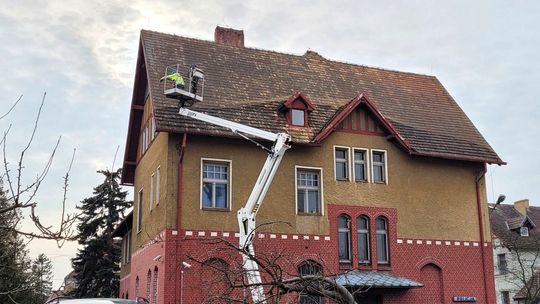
(155, 286)
(137, 286)
(362, 224)
(382, 240)
(309, 268)
(148, 278)
(344, 238)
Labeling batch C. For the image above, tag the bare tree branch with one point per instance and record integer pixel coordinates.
(12, 107)
(21, 197)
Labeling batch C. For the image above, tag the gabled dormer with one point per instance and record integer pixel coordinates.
(521, 225)
(297, 109)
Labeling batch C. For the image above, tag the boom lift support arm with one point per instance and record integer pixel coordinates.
(247, 214)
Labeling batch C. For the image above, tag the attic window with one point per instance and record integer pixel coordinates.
(298, 117)
(524, 231)
(297, 109)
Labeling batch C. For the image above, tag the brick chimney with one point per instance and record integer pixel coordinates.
(229, 36)
(521, 206)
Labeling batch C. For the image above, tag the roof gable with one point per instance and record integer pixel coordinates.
(346, 111)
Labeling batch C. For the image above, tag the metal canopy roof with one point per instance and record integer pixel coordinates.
(375, 279)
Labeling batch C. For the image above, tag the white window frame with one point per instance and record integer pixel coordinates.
(296, 168)
(349, 238)
(367, 232)
(158, 184)
(367, 164)
(385, 166)
(153, 132)
(349, 175)
(387, 239)
(152, 180)
(216, 160)
(140, 197)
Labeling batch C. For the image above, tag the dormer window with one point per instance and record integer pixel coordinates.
(524, 231)
(297, 109)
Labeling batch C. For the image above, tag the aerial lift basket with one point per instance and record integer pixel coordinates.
(187, 88)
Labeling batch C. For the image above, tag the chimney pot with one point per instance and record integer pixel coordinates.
(229, 36)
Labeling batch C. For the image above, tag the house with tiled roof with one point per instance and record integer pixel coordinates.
(516, 252)
(383, 187)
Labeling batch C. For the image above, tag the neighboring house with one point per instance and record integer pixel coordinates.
(516, 252)
(385, 174)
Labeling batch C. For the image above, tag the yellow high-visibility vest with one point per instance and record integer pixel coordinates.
(176, 77)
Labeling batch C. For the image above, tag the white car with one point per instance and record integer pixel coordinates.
(62, 300)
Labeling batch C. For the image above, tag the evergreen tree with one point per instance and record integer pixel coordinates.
(96, 265)
(15, 283)
(41, 279)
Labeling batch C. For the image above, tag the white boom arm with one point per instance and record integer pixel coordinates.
(246, 215)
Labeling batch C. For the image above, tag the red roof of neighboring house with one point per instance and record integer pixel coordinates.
(250, 85)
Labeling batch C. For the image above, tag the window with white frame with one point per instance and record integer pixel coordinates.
(382, 240)
(153, 128)
(152, 179)
(362, 226)
(139, 210)
(378, 166)
(360, 165)
(344, 238)
(341, 158)
(308, 191)
(215, 184)
(158, 182)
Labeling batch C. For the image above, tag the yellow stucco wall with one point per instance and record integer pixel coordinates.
(161, 216)
(435, 199)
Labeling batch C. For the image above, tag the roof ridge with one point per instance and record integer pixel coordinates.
(298, 55)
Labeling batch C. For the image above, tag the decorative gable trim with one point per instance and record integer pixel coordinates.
(346, 111)
(289, 103)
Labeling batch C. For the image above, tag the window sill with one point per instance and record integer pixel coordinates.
(365, 266)
(345, 265)
(215, 209)
(362, 181)
(342, 180)
(309, 214)
(381, 182)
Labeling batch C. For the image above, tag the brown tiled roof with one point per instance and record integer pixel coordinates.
(249, 85)
(505, 222)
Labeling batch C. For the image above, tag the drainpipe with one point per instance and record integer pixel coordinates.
(181, 150)
(479, 206)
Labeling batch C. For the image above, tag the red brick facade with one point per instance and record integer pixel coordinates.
(447, 268)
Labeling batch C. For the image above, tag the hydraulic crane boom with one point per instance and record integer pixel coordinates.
(247, 214)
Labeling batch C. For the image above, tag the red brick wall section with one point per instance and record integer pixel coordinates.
(455, 266)
(147, 258)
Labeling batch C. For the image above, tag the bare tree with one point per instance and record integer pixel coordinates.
(223, 280)
(21, 196)
(523, 266)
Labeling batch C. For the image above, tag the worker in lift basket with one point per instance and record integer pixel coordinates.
(177, 78)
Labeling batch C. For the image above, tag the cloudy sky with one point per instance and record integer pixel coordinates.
(83, 55)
